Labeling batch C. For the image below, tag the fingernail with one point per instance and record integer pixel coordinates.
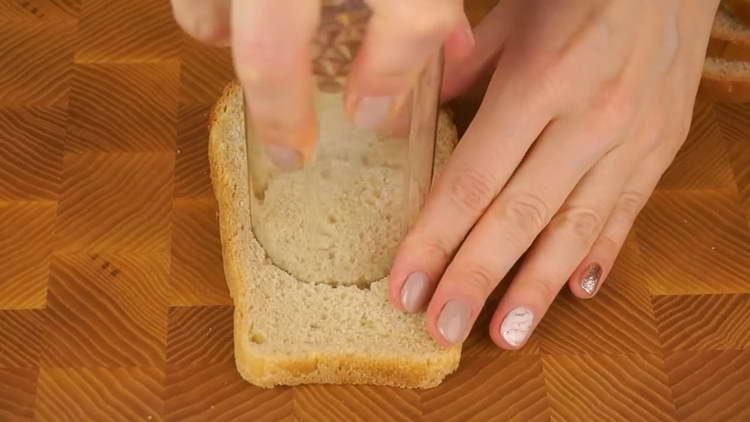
(414, 291)
(453, 321)
(516, 325)
(590, 279)
(284, 157)
(371, 112)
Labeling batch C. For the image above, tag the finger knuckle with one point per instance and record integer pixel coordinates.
(480, 279)
(583, 223)
(437, 24)
(609, 244)
(258, 58)
(649, 142)
(545, 288)
(471, 190)
(432, 247)
(256, 47)
(527, 211)
(631, 203)
(201, 28)
(615, 106)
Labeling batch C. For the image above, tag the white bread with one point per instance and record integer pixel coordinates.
(289, 332)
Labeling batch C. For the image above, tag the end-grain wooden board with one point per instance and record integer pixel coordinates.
(112, 298)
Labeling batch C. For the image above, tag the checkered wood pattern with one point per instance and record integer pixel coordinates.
(112, 297)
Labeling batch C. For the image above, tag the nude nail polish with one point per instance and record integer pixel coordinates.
(454, 321)
(591, 278)
(371, 112)
(516, 325)
(414, 291)
(284, 157)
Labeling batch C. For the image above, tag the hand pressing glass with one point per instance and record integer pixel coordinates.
(587, 106)
(271, 49)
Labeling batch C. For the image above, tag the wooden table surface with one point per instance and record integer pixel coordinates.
(112, 296)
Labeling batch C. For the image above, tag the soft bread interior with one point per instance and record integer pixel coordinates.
(288, 331)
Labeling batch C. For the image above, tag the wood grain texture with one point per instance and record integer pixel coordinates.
(58, 11)
(695, 243)
(200, 335)
(191, 175)
(217, 393)
(197, 276)
(32, 140)
(107, 32)
(122, 394)
(20, 345)
(123, 107)
(710, 385)
(354, 403)
(205, 71)
(703, 322)
(607, 387)
(106, 310)
(704, 144)
(36, 64)
(113, 304)
(501, 388)
(115, 202)
(17, 393)
(735, 127)
(26, 233)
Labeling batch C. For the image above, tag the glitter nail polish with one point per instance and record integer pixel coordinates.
(590, 279)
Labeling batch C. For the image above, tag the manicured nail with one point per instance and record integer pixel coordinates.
(590, 279)
(516, 325)
(414, 291)
(284, 157)
(372, 111)
(453, 321)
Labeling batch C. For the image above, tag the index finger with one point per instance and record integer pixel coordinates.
(271, 51)
(503, 130)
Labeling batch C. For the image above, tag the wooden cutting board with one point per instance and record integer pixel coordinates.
(112, 297)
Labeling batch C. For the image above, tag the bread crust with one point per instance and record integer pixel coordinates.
(740, 9)
(728, 27)
(720, 89)
(323, 368)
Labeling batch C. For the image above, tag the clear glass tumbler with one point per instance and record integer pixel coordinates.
(339, 218)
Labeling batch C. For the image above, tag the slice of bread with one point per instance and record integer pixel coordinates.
(739, 9)
(728, 27)
(289, 332)
(726, 71)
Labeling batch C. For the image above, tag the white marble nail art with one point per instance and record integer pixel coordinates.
(516, 325)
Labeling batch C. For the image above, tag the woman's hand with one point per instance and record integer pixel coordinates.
(587, 107)
(270, 42)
